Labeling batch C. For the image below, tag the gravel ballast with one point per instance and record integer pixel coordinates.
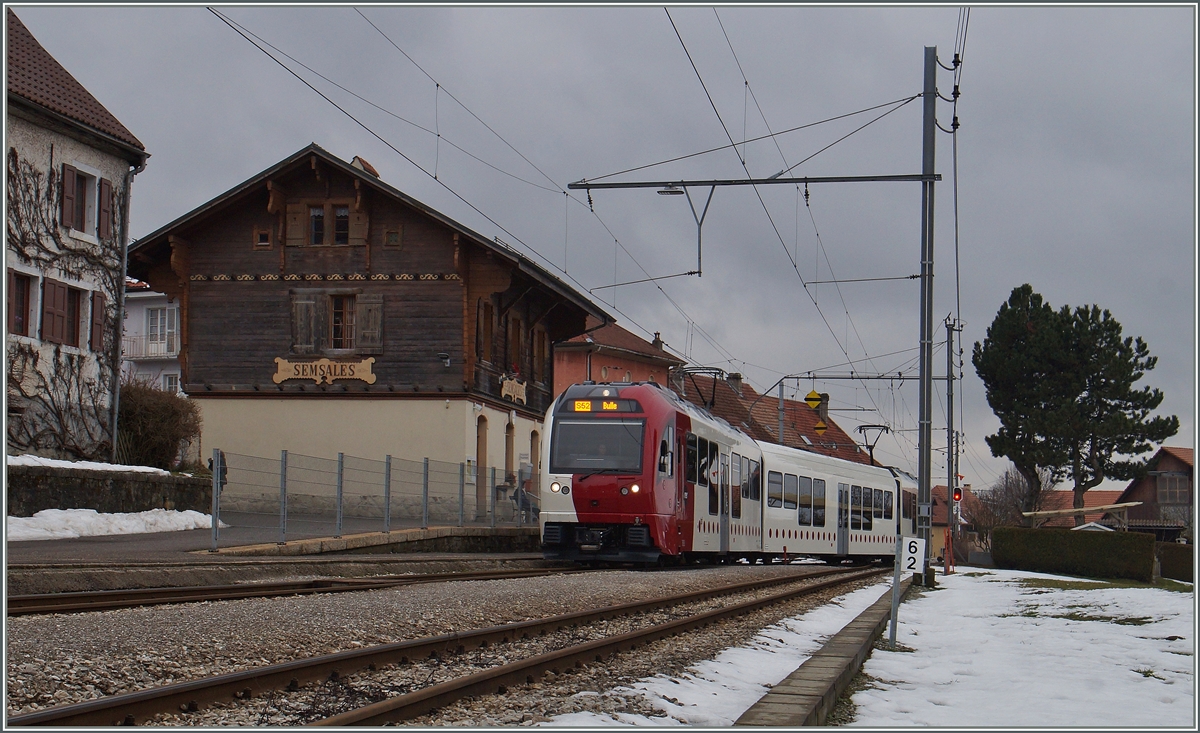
(67, 658)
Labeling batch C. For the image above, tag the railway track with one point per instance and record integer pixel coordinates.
(80, 602)
(141, 706)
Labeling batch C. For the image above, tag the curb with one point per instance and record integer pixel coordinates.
(808, 695)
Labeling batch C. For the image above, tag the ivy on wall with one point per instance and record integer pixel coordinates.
(60, 399)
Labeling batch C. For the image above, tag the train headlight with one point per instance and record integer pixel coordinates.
(555, 487)
(624, 491)
(635, 488)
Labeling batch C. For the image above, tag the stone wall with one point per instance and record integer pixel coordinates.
(31, 489)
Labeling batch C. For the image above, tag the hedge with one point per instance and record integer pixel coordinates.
(1088, 554)
(1176, 560)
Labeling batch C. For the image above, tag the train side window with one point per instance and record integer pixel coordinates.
(755, 482)
(789, 491)
(774, 488)
(714, 494)
(690, 471)
(818, 502)
(904, 510)
(735, 470)
(887, 505)
(745, 477)
(867, 495)
(702, 462)
(806, 502)
(855, 507)
(666, 453)
(879, 503)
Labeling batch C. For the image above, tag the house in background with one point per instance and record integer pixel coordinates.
(1168, 502)
(150, 345)
(728, 397)
(1060, 499)
(70, 168)
(322, 311)
(609, 353)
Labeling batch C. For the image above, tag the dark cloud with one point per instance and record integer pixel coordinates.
(1076, 160)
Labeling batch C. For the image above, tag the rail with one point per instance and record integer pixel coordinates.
(129, 708)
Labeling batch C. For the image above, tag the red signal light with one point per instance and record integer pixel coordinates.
(958, 494)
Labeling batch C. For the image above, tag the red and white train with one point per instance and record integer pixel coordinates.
(632, 473)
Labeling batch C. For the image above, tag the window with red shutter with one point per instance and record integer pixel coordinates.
(104, 225)
(19, 288)
(68, 196)
(54, 311)
(71, 337)
(97, 341)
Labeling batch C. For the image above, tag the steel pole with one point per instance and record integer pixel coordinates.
(387, 495)
(928, 140)
(781, 412)
(951, 468)
(216, 497)
(283, 497)
(425, 495)
(339, 496)
(462, 485)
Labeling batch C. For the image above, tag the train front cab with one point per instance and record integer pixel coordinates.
(612, 470)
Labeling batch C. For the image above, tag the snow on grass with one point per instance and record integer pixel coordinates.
(1010, 648)
(51, 524)
(28, 460)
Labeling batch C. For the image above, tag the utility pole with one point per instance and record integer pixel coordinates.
(924, 434)
(951, 441)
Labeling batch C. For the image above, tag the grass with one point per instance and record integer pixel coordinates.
(1043, 585)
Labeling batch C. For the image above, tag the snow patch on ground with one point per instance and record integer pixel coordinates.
(27, 460)
(53, 524)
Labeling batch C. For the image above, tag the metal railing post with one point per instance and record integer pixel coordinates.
(517, 498)
(216, 497)
(283, 497)
(339, 496)
(425, 495)
(387, 495)
(492, 494)
(462, 484)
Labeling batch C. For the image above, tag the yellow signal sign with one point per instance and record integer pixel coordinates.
(813, 399)
(821, 427)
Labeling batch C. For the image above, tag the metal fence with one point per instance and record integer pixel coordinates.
(297, 496)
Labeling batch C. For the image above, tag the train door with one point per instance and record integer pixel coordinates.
(724, 503)
(843, 519)
(684, 491)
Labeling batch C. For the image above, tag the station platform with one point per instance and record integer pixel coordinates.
(808, 695)
(248, 553)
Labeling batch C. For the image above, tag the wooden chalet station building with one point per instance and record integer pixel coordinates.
(324, 311)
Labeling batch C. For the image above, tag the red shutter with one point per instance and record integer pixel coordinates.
(68, 195)
(54, 312)
(105, 223)
(98, 321)
(12, 316)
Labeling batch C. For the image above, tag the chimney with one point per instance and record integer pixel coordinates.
(735, 381)
(657, 342)
(823, 408)
(364, 166)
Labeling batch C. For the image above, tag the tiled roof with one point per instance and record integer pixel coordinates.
(1183, 454)
(760, 418)
(1052, 500)
(615, 337)
(34, 75)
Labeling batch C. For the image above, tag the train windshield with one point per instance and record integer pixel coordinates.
(585, 446)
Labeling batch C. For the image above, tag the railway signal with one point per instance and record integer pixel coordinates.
(957, 494)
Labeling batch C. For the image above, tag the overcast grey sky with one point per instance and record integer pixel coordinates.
(1076, 163)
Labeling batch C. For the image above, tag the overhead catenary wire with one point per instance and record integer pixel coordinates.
(259, 43)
